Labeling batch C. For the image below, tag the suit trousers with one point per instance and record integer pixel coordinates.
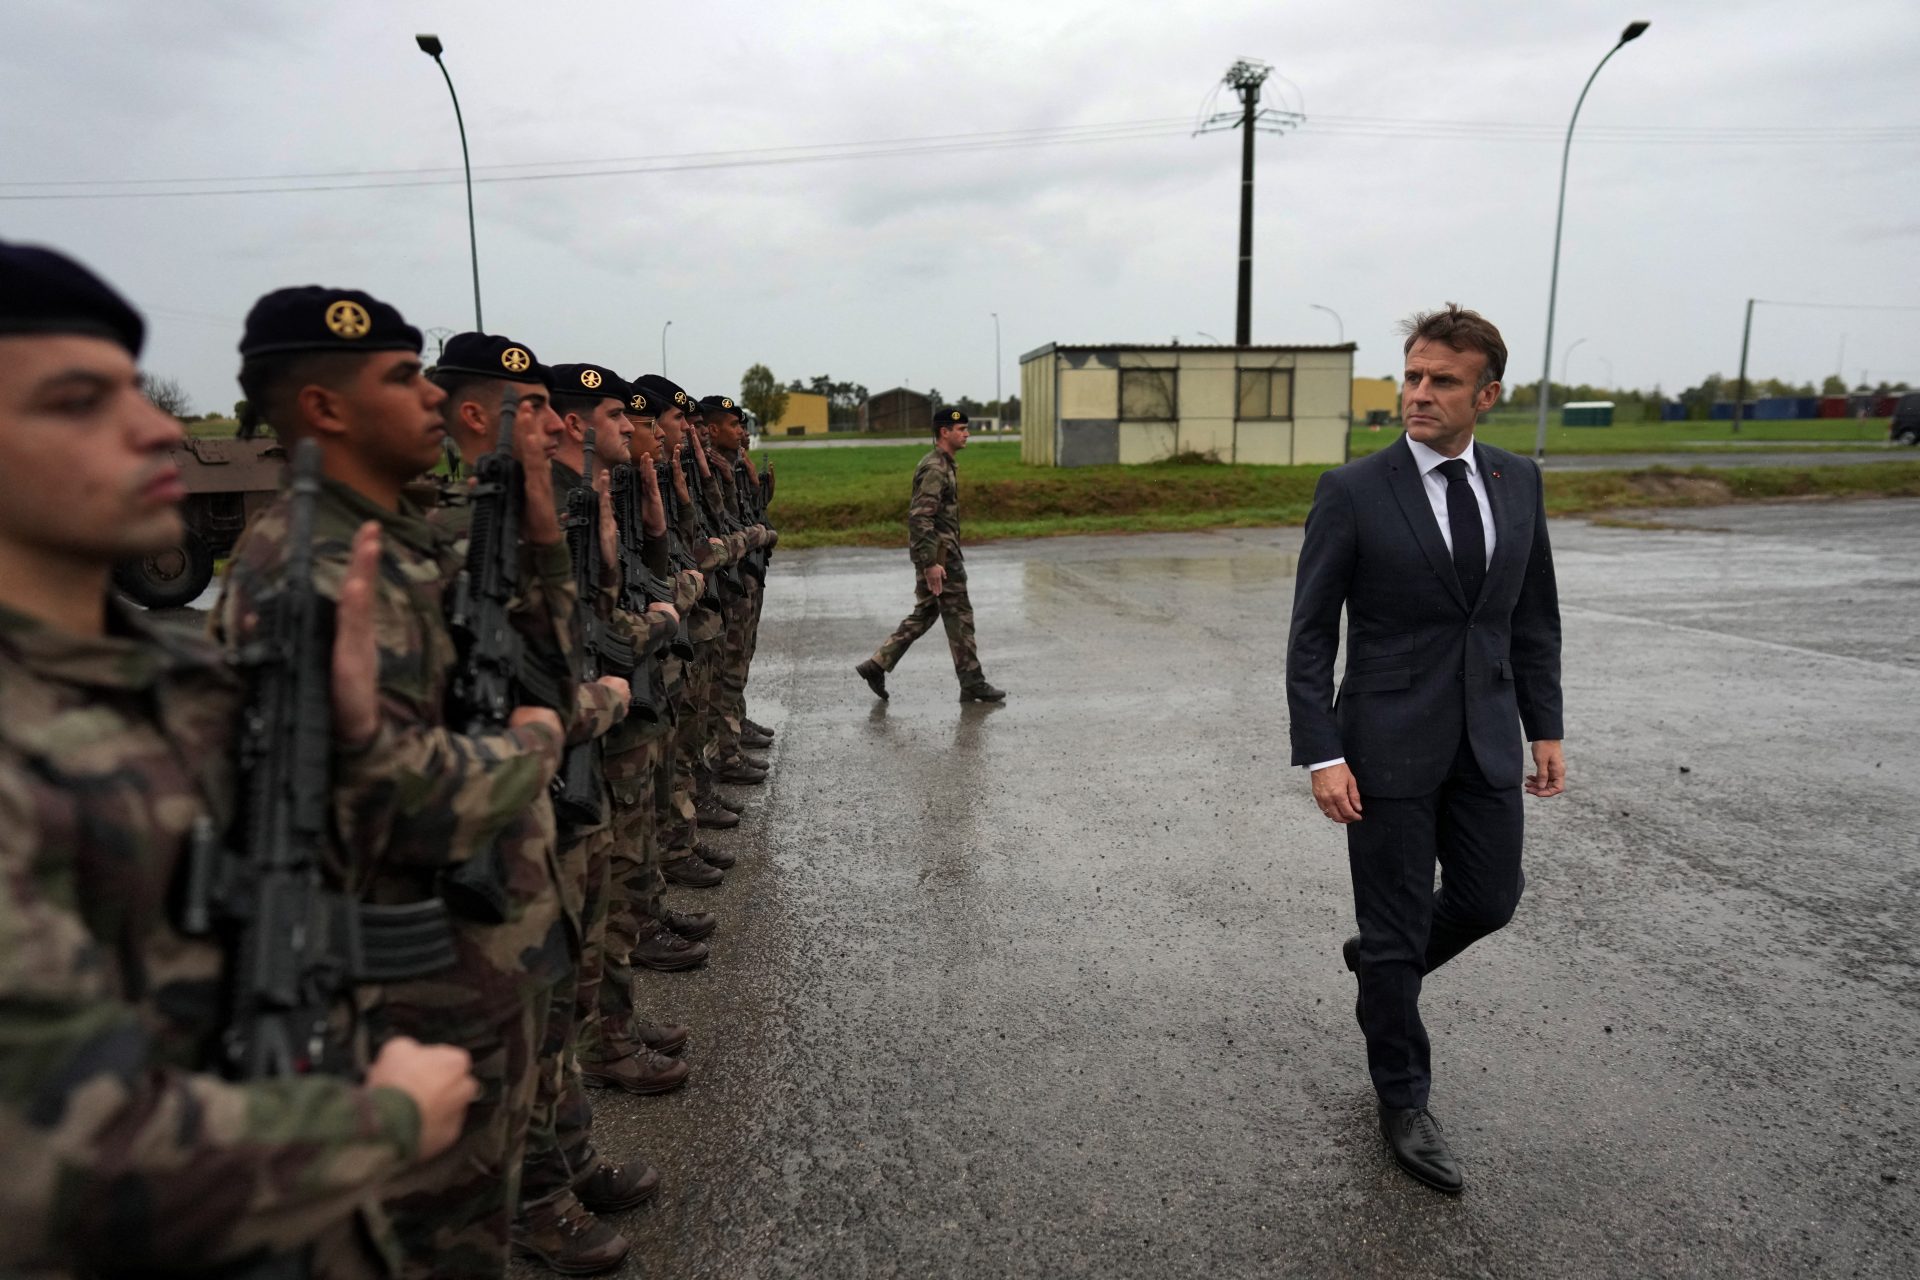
(1472, 829)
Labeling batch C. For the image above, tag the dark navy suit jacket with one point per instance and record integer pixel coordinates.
(1424, 663)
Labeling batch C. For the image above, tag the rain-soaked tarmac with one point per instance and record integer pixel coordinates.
(1053, 989)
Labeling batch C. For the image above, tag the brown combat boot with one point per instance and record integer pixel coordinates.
(691, 925)
(716, 817)
(664, 951)
(716, 857)
(663, 1037)
(641, 1073)
(563, 1237)
(611, 1187)
(692, 871)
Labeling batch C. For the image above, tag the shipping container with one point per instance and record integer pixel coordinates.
(1673, 411)
(1834, 407)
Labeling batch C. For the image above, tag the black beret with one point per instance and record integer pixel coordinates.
(642, 401)
(721, 404)
(42, 291)
(491, 355)
(949, 418)
(663, 393)
(589, 380)
(313, 318)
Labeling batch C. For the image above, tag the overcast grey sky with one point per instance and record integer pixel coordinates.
(884, 270)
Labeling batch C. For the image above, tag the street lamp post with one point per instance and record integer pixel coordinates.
(1566, 363)
(1633, 32)
(1608, 366)
(431, 46)
(999, 409)
(1336, 319)
(663, 347)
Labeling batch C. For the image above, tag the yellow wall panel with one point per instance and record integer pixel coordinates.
(1089, 393)
(1207, 393)
(1207, 435)
(1147, 441)
(1265, 442)
(1322, 442)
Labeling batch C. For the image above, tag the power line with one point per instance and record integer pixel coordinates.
(1840, 306)
(990, 140)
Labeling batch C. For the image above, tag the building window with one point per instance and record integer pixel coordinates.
(1266, 393)
(1147, 395)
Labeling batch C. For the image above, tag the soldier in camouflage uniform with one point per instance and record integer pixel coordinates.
(124, 1154)
(342, 368)
(594, 1038)
(940, 573)
(691, 801)
(726, 437)
(477, 370)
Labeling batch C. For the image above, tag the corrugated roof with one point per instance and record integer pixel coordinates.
(1188, 346)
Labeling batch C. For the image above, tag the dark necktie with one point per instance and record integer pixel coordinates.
(1469, 535)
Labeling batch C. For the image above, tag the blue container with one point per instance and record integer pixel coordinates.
(1673, 411)
(1806, 407)
(1775, 409)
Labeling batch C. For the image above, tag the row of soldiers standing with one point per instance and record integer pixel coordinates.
(501, 838)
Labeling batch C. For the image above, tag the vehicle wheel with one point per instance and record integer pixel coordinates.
(1909, 436)
(170, 579)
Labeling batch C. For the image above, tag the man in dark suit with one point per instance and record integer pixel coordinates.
(1436, 547)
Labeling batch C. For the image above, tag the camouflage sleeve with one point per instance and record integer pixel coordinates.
(115, 1163)
(923, 542)
(423, 795)
(685, 591)
(595, 711)
(710, 485)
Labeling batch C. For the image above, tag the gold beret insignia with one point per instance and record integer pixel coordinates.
(589, 378)
(349, 319)
(514, 360)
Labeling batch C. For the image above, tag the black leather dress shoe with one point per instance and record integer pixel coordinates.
(1418, 1146)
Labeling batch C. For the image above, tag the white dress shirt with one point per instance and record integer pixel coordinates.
(1429, 460)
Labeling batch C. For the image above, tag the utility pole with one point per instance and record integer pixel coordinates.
(1740, 391)
(1245, 77)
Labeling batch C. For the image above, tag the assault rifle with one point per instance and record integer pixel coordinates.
(678, 551)
(729, 587)
(296, 947)
(640, 586)
(498, 670)
(576, 788)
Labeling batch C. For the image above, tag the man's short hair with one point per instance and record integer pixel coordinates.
(582, 407)
(461, 385)
(1462, 330)
(271, 383)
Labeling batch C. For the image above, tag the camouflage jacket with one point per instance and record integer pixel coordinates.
(933, 515)
(121, 1154)
(422, 798)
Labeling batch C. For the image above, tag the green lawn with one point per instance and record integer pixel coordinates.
(1516, 432)
(858, 497)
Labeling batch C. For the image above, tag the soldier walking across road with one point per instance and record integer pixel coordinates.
(940, 573)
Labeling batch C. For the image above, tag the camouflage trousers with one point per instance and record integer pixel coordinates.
(692, 764)
(452, 1214)
(729, 697)
(634, 891)
(559, 1140)
(954, 609)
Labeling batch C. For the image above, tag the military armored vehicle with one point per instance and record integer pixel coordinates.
(227, 481)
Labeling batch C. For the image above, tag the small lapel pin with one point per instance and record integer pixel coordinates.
(1496, 475)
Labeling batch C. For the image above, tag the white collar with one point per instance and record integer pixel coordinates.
(1427, 457)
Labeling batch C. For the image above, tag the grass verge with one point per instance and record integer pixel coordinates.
(858, 497)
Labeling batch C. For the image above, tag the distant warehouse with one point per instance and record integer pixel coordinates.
(1084, 405)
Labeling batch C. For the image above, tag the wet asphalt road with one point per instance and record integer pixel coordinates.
(1053, 989)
